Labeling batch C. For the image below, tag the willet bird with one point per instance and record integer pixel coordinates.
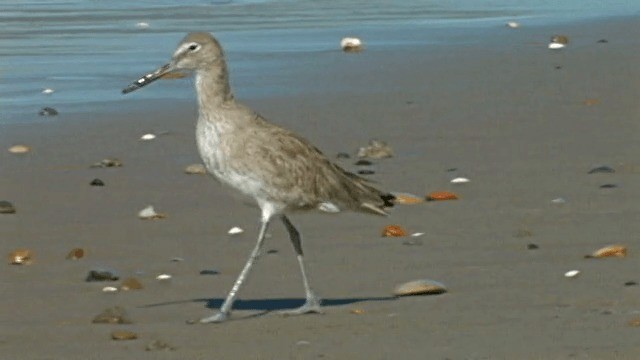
(280, 170)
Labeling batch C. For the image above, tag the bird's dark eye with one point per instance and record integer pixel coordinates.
(193, 47)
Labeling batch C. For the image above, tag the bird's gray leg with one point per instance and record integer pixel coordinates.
(312, 304)
(225, 309)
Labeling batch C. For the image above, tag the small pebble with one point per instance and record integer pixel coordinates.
(351, 44)
(235, 231)
(420, 287)
(602, 170)
(19, 149)
(149, 213)
(630, 283)
(608, 186)
(532, 246)
(102, 275)
(113, 315)
(272, 251)
(7, 207)
(123, 335)
(460, 180)
(377, 149)
(451, 169)
(75, 254)
(21, 257)
(363, 162)
(209, 272)
(48, 91)
(366, 172)
(195, 169)
(343, 155)
(603, 41)
(572, 273)
(177, 259)
(48, 111)
(131, 284)
(107, 163)
(96, 182)
(147, 137)
(163, 277)
(157, 345)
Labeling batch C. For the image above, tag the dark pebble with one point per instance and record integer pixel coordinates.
(48, 111)
(452, 169)
(97, 182)
(603, 41)
(209, 272)
(630, 283)
(363, 162)
(7, 207)
(608, 186)
(102, 275)
(366, 172)
(602, 170)
(343, 155)
(558, 67)
(272, 251)
(532, 246)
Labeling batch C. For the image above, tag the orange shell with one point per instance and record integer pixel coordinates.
(393, 231)
(610, 251)
(441, 195)
(75, 254)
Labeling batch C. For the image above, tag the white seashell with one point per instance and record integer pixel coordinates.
(147, 137)
(48, 91)
(460, 180)
(351, 43)
(417, 234)
(558, 201)
(235, 230)
(556, 46)
(109, 289)
(19, 149)
(150, 213)
(162, 277)
(513, 24)
(142, 25)
(572, 273)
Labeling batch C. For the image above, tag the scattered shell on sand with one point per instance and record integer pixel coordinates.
(96, 182)
(460, 180)
(609, 251)
(19, 149)
(235, 230)
(377, 149)
(441, 196)
(407, 199)
(75, 254)
(393, 231)
(556, 46)
(7, 207)
(48, 91)
(156, 345)
(163, 277)
(604, 169)
(109, 289)
(48, 111)
(195, 169)
(21, 257)
(420, 287)
(142, 25)
(149, 213)
(513, 24)
(572, 273)
(107, 163)
(357, 311)
(123, 335)
(102, 275)
(351, 44)
(113, 315)
(131, 284)
(558, 201)
(147, 137)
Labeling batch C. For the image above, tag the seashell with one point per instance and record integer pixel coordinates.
(75, 254)
(417, 234)
(602, 170)
(142, 25)
(131, 284)
(393, 231)
(7, 207)
(560, 39)
(48, 111)
(591, 102)
(21, 257)
(558, 201)
(572, 273)
(377, 149)
(609, 251)
(48, 91)
(460, 180)
(173, 75)
(357, 311)
(149, 213)
(351, 44)
(195, 169)
(163, 277)
(113, 315)
(635, 322)
(420, 287)
(123, 335)
(147, 137)
(107, 163)
(19, 149)
(556, 46)
(235, 230)
(102, 275)
(441, 196)
(513, 24)
(109, 289)
(96, 182)
(406, 199)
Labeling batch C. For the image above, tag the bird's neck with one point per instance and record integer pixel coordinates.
(212, 87)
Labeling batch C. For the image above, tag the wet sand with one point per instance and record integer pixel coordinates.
(505, 112)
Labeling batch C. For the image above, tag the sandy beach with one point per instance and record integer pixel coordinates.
(524, 123)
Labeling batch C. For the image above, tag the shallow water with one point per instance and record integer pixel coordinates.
(87, 50)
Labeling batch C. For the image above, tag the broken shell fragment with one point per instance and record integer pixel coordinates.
(420, 287)
(149, 213)
(195, 169)
(235, 230)
(377, 149)
(460, 180)
(113, 315)
(357, 311)
(393, 231)
(513, 24)
(19, 149)
(163, 277)
(441, 196)
(351, 44)
(407, 199)
(109, 289)
(147, 137)
(75, 254)
(556, 46)
(572, 273)
(609, 251)
(48, 91)
(21, 257)
(123, 335)
(131, 284)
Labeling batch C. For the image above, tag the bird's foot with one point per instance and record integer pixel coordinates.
(312, 305)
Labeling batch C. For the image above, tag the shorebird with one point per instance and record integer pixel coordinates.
(280, 170)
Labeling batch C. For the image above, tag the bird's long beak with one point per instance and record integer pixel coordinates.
(149, 78)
